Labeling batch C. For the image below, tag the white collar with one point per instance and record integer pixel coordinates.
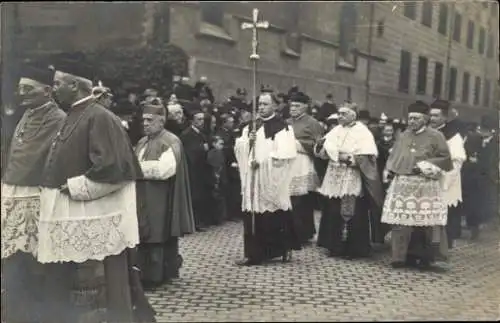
(85, 99)
(419, 131)
(268, 118)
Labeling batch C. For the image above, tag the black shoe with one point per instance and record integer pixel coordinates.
(201, 229)
(335, 254)
(248, 262)
(411, 263)
(398, 264)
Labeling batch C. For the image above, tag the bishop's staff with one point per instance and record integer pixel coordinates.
(254, 58)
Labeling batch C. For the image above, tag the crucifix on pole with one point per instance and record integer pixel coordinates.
(254, 57)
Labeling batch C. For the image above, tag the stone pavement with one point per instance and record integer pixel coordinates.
(316, 288)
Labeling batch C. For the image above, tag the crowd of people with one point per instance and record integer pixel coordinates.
(97, 191)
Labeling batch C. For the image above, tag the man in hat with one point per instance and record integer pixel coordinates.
(183, 91)
(164, 196)
(176, 120)
(21, 194)
(305, 179)
(451, 181)
(203, 90)
(351, 187)
(414, 204)
(88, 218)
(327, 108)
(196, 147)
(487, 163)
(264, 159)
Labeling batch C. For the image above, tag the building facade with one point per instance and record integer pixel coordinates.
(382, 55)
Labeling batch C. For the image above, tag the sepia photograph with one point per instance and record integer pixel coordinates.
(250, 161)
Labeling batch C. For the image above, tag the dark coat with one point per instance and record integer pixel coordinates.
(92, 142)
(199, 170)
(166, 203)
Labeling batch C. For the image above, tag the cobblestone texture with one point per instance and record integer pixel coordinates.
(316, 288)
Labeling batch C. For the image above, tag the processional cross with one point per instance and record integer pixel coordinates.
(254, 57)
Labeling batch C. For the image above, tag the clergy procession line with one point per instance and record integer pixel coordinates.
(95, 200)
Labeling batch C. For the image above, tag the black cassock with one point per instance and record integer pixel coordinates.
(194, 142)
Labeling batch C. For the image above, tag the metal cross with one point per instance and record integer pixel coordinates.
(254, 26)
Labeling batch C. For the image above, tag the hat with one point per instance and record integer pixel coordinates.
(203, 79)
(266, 89)
(76, 69)
(351, 106)
(299, 97)
(329, 96)
(44, 75)
(418, 107)
(442, 105)
(241, 91)
(364, 114)
(154, 106)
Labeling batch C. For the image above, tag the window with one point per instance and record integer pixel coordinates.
(427, 13)
(470, 34)
(452, 93)
(347, 31)
(422, 74)
(482, 36)
(380, 28)
(465, 88)
(457, 27)
(410, 9)
(477, 90)
(491, 45)
(443, 18)
(212, 12)
(438, 80)
(486, 99)
(404, 71)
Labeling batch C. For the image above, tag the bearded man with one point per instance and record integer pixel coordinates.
(164, 194)
(88, 217)
(351, 187)
(21, 194)
(305, 179)
(451, 181)
(414, 204)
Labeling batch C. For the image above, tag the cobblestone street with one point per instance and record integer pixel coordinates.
(316, 288)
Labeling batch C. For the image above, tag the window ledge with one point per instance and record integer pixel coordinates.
(343, 64)
(290, 53)
(215, 32)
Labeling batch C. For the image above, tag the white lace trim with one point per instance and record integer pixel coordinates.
(20, 213)
(414, 201)
(304, 179)
(341, 180)
(78, 231)
(89, 239)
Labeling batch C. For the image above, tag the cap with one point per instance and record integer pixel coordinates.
(44, 75)
(299, 97)
(418, 107)
(153, 106)
(442, 105)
